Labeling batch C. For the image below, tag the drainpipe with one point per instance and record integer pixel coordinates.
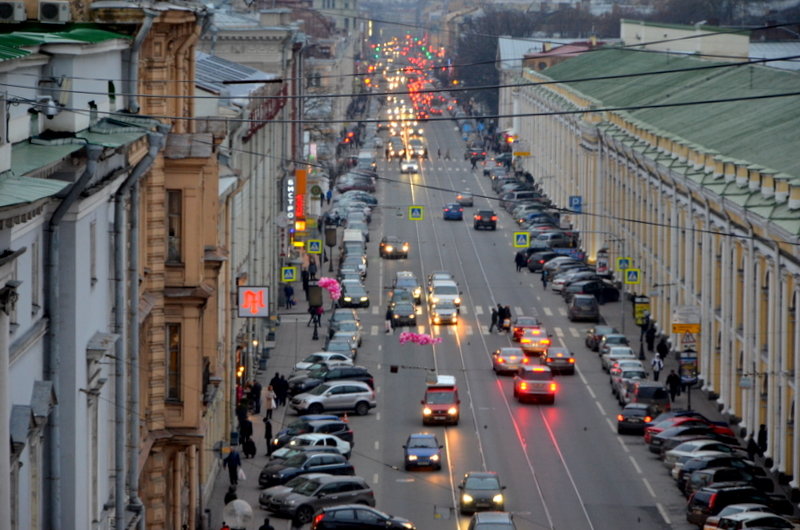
(52, 358)
(132, 81)
(131, 184)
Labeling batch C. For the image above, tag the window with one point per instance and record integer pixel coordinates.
(173, 391)
(174, 225)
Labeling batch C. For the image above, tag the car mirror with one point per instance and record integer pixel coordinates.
(502, 487)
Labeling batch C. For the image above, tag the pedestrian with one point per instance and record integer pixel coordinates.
(245, 430)
(545, 277)
(495, 316)
(674, 385)
(506, 318)
(241, 411)
(270, 402)
(233, 462)
(474, 162)
(255, 396)
(388, 322)
(762, 439)
(663, 348)
(230, 496)
(650, 337)
(447, 155)
(288, 294)
(268, 435)
(304, 281)
(312, 269)
(249, 447)
(519, 261)
(312, 312)
(318, 312)
(328, 195)
(266, 525)
(658, 365)
(439, 153)
(752, 448)
(224, 526)
(282, 390)
(645, 325)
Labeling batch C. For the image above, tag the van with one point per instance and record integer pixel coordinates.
(366, 160)
(444, 290)
(440, 403)
(651, 394)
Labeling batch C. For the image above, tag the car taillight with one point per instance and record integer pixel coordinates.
(546, 342)
(525, 360)
(648, 419)
(620, 417)
(318, 518)
(494, 218)
(711, 501)
(523, 386)
(552, 387)
(572, 360)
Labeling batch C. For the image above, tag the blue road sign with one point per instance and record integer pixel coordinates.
(314, 246)
(289, 274)
(633, 276)
(576, 203)
(522, 239)
(481, 126)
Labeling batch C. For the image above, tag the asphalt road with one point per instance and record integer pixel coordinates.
(563, 465)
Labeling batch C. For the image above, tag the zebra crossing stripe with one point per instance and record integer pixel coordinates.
(373, 330)
(478, 310)
(547, 311)
(559, 332)
(574, 332)
(518, 310)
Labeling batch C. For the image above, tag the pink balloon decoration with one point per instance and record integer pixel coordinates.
(332, 286)
(423, 339)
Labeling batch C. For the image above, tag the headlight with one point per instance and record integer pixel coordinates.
(426, 411)
(452, 411)
(347, 299)
(412, 315)
(408, 525)
(498, 499)
(412, 458)
(435, 299)
(457, 301)
(405, 247)
(364, 299)
(436, 319)
(389, 248)
(434, 458)
(466, 498)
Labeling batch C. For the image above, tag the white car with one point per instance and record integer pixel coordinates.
(696, 447)
(409, 166)
(322, 356)
(317, 439)
(616, 353)
(441, 290)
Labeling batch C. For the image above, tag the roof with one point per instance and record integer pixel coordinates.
(211, 71)
(765, 131)
(510, 50)
(772, 50)
(12, 44)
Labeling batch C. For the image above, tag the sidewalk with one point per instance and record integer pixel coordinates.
(292, 339)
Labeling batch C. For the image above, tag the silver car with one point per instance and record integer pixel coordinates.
(311, 496)
(508, 360)
(266, 494)
(336, 395)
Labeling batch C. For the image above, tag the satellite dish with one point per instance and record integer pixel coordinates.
(238, 514)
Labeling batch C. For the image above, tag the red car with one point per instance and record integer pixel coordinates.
(685, 421)
(521, 324)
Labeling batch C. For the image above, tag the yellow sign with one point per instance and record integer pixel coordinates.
(289, 274)
(522, 239)
(685, 328)
(633, 276)
(522, 153)
(314, 246)
(624, 263)
(416, 213)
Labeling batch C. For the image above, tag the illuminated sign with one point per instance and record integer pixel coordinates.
(253, 301)
(291, 194)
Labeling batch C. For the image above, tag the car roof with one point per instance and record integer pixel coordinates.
(642, 406)
(426, 435)
(481, 474)
(492, 517)
(583, 296)
(405, 274)
(510, 349)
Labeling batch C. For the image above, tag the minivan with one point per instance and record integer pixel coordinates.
(583, 307)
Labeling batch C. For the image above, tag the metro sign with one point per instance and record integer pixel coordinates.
(253, 302)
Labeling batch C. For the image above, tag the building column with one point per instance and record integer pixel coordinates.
(8, 299)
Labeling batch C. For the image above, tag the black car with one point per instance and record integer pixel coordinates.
(711, 499)
(537, 260)
(705, 431)
(353, 295)
(304, 383)
(356, 517)
(485, 219)
(404, 314)
(393, 247)
(595, 335)
(634, 418)
(282, 471)
(318, 423)
(725, 460)
(603, 290)
(477, 153)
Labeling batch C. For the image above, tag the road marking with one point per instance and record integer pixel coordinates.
(518, 310)
(591, 392)
(649, 488)
(599, 406)
(663, 513)
(562, 311)
(574, 332)
(420, 329)
(373, 330)
(559, 332)
(547, 311)
(624, 446)
(635, 464)
(468, 330)
(377, 444)
(377, 416)
(478, 310)
(464, 310)
(485, 330)
(375, 310)
(584, 381)
(375, 478)
(380, 347)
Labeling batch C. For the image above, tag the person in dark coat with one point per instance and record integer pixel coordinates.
(650, 337)
(255, 396)
(663, 348)
(674, 384)
(304, 281)
(249, 448)
(266, 525)
(245, 430)
(752, 448)
(495, 317)
(230, 496)
(241, 411)
(519, 261)
(506, 318)
(288, 294)
(762, 439)
(233, 462)
(268, 435)
(545, 277)
(312, 270)
(281, 391)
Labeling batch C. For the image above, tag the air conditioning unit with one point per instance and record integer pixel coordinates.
(54, 12)
(13, 12)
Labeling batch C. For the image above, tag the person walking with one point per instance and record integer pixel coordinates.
(328, 195)
(230, 496)
(658, 365)
(474, 161)
(268, 435)
(762, 439)
(674, 384)
(506, 318)
(519, 261)
(233, 462)
(266, 525)
(288, 294)
(662, 349)
(318, 312)
(387, 324)
(312, 269)
(270, 402)
(650, 337)
(645, 325)
(304, 279)
(245, 430)
(255, 396)
(752, 448)
(545, 277)
(282, 390)
(439, 153)
(495, 317)
(312, 315)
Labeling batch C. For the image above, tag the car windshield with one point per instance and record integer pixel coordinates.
(338, 346)
(445, 305)
(527, 321)
(536, 375)
(307, 488)
(404, 308)
(319, 390)
(409, 283)
(296, 481)
(312, 358)
(445, 289)
(423, 442)
(632, 374)
(296, 460)
(318, 371)
(298, 427)
(481, 483)
(440, 398)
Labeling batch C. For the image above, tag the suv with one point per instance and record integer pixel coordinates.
(711, 499)
(583, 307)
(444, 290)
(305, 500)
(651, 394)
(282, 471)
(357, 516)
(535, 382)
(485, 219)
(307, 382)
(441, 403)
(321, 423)
(336, 395)
(408, 280)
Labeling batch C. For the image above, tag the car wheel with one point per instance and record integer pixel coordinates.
(516, 394)
(362, 408)
(620, 430)
(304, 514)
(315, 408)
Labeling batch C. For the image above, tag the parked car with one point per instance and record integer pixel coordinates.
(603, 290)
(321, 356)
(357, 517)
(761, 520)
(693, 447)
(710, 500)
(712, 522)
(315, 440)
(323, 423)
(583, 307)
(595, 334)
(282, 471)
(336, 395)
(303, 501)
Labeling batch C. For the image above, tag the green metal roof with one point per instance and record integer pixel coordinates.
(16, 190)
(12, 44)
(27, 157)
(763, 132)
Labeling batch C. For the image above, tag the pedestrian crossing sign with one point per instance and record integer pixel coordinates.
(624, 263)
(288, 274)
(522, 239)
(416, 213)
(633, 276)
(314, 246)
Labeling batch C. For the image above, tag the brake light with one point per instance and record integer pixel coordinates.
(620, 417)
(648, 419)
(538, 369)
(525, 360)
(711, 501)
(318, 518)
(549, 360)
(552, 387)
(571, 360)
(494, 218)
(546, 342)
(523, 386)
